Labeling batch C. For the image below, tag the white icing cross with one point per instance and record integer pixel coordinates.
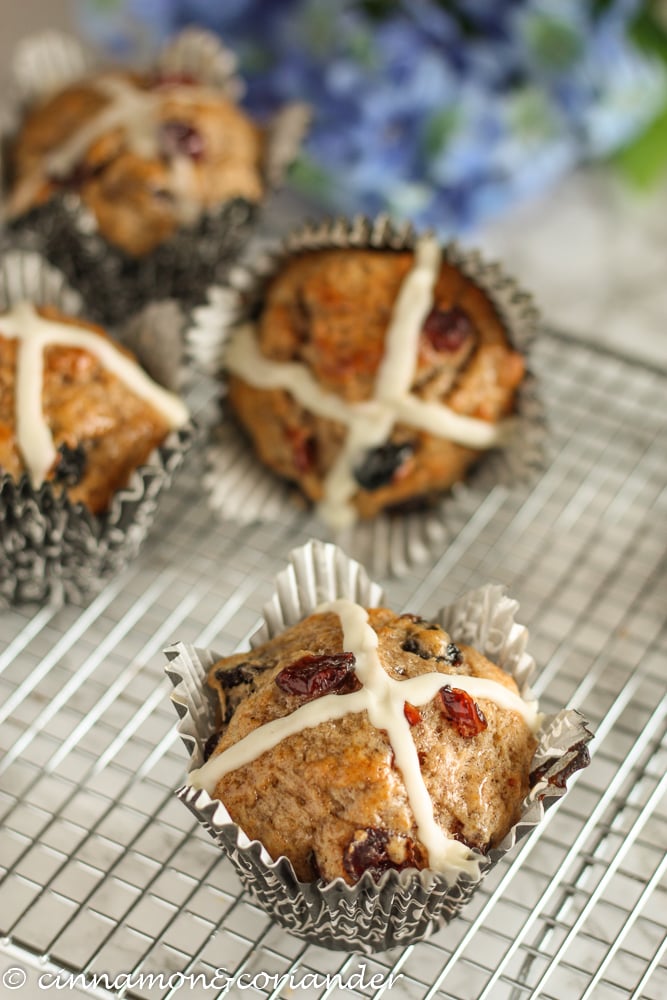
(35, 333)
(136, 111)
(129, 107)
(370, 422)
(383, 698)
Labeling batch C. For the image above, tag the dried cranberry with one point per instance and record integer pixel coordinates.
(304, 449)
(459, 708)
(381, 464)
(580, 758)
(369, 851)
(71, 465)
(315, 675)
(180, 139)
(447, 329)
(412, 713)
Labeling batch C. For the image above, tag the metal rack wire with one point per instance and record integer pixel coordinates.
(103, 870)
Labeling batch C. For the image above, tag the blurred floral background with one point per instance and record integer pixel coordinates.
(442, 111)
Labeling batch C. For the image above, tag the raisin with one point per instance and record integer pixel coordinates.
(381, 464)
(371, 850)
(453, 655)
(242, 673)
(447, 329)
(412, 713)
(180, 139)
(71, 465)
(211, 744)
(581, 758)
(317, 674)
(459, 708)
(412, 646)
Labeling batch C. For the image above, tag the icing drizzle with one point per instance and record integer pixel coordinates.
(136, 111)
(370, 422)
(383, 698)
(34, 333)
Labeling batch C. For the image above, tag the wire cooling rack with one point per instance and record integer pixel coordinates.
(104, 872)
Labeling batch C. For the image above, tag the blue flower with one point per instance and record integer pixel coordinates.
(441, 112)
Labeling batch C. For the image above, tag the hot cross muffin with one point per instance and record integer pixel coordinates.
(76, 410)
(372, 378)
(363, 740)
(145, 153)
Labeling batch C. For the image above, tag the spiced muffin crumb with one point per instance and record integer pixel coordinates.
(335, 796)
(335, 402)
(145, 153)
(91, 425)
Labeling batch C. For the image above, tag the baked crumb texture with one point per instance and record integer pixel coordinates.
(331, 797)
(145, 154)
(101, 430)
(329, 310)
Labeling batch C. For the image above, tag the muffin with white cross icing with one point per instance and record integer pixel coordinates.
(139, 183)
(371, 376)
(363, 770)
(76, 409)
(88, 441)
(145, 153)
(362, 740)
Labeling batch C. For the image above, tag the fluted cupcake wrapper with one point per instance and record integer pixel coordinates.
(111, 281)
(401, 907)
(240, 488)
(52, 550)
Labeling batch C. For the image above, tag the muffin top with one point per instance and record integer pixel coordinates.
(371, 377)
(75, 408)
(360, 740)
(145, 153)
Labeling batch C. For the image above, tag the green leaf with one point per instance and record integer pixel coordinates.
(555, 44)
(439, 129)
(650, 34)
(644, 161)
(309, 177)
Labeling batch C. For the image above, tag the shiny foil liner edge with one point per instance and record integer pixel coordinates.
(402, 907)
(52, 550)
(241, 489)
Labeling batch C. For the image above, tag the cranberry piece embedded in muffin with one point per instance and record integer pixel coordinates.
(313, 676)
(463, 711)
(180, 139)
(448, 329)
(377, 851)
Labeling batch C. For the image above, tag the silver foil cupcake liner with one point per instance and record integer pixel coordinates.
(112, 282)
(401, 907)
(52, 550)
(391, 544)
